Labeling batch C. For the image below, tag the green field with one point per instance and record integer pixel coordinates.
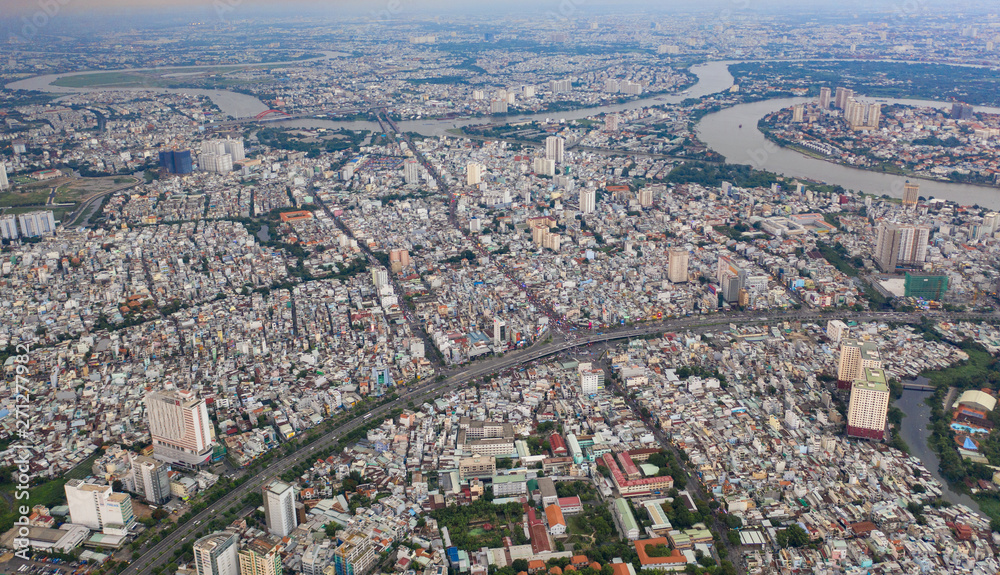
(972, 374)
(160, 78)
(27, 198)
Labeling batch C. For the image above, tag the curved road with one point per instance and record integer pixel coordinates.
(162, 552)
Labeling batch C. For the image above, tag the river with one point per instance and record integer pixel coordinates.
(914, 433)
(721, 131)
(747, 145)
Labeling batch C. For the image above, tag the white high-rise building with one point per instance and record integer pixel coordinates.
(8, 227)
(866, 412)
(588, 200)
(901, 245)
(591, 381)
(991, 222)
(677, 271)
(38, 223)
(179, 425)
(235, 149)
(380, 277)
(217, 554)
(4, 184)
(555, 149)
(473, 174)
(499, 331)
(411, 171)
(544, 167)
(151, 479)
(217, 147)
(855, 357)
(279, 508)
(98, 507)
(836, 330)
(216, 163)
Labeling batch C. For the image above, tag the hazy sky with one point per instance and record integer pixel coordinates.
(21, 8)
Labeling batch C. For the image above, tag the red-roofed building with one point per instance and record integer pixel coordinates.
(628, 466)
(557, 524)
(673, 562)
(570, 506)
(635, 487)
(558, 445)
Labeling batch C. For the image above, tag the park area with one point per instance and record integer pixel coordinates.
(62, 195)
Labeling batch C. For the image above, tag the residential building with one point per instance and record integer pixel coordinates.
(38, 223)
(260, 557)
(411, 171)
(151, 479)
(217, 554)
(911, 194)
(866, 413)
(8, 227)
(4, 184)
(677, 269)
(901, 245)
(855, 356)
(588, 197)
(555, 149)
(354, 556)
(473, 174)
(279, 508)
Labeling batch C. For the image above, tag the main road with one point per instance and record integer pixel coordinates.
(161, 553)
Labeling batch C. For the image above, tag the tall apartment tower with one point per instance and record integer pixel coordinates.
(37, 223)
(4, 184)
(499, 331)
(260, 557)
(866, 413)
(677, 270)
(588, 200)
(355, 556)
(855, 357)
(898, 245)
(911, 194)
(646, 197)
(824, 98)
(181, 431)
(841, 97)
(411, 172)
(217, 554)
(8, 227)
(798, 113)
(235, 149)
(473, 174)
(380, 277)
(279, 508)
(555, 149)
(151, 479)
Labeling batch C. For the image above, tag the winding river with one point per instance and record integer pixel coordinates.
(721, 131)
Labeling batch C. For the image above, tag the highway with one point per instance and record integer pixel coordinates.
(162, 552)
